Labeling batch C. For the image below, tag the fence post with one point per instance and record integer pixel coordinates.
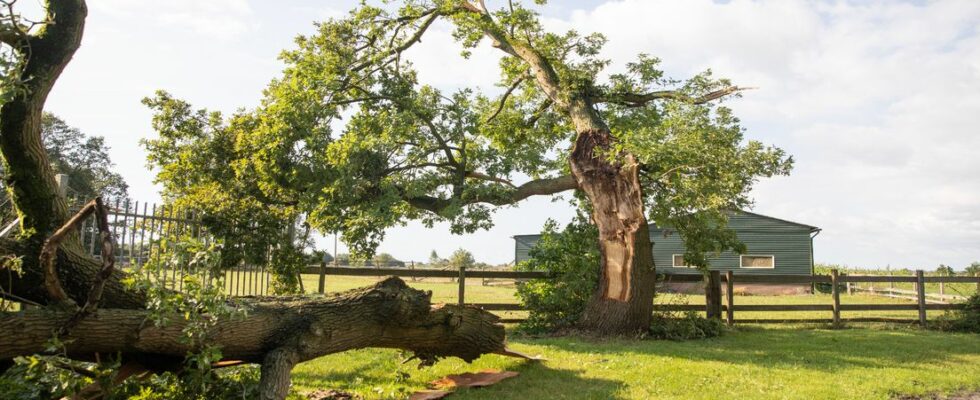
(712, 295)
(730, 296)
(323, 277)
(462, 285)
(920, 292)
(942, 289)
(835, 292)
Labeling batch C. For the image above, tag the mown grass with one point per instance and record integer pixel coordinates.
(862, 361)
(746, 363)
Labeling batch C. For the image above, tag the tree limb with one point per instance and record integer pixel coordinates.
(538, 187)
(49, 253)
(503, 99)
(485, 177)
(108, 265)
(415, 38)
(642, 99)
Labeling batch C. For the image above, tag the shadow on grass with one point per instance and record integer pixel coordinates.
(821, 349)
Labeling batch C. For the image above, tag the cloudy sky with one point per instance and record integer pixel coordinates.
(879, 102)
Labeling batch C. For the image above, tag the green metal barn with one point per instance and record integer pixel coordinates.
(774, 246)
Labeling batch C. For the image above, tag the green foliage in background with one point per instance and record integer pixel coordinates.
(196, 154)
(571, 256)
(349, 139)
(83, 158)
(965, 320)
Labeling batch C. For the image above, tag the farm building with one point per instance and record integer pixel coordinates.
(774, 246)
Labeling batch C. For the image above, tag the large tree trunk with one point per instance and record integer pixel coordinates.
(28, 175)
(623, 301)
(277, 332)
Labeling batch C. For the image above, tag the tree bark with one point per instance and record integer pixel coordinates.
(277, 332)
(623, 301)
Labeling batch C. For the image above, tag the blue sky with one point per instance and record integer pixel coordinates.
(877, 101)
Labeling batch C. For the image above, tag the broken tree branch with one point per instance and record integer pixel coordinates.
(277, 332)
(642, 99)
(49, 253)
(108, 264)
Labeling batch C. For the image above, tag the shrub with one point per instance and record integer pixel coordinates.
(686, 326)
(965, 320)
(572, 258)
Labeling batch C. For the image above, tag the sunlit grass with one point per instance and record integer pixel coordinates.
(747, 363)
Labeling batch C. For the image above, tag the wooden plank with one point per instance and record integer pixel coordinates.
(678, 307)
(782, 307)
(835, 293)
(682, 278)
(730, 297)
(713, 295)
(322, 286)
(954, 306)
(952, 279)
(878, 307)
(500, 306)
(824, 320)
(462, 285)
(425, 273)
(921, 289)
(782, 278)
(872, 278)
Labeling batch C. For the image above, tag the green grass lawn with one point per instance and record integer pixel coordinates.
(746, 363)
(865, 361)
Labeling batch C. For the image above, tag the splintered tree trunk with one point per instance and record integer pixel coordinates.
(277, 333)
(623, 302)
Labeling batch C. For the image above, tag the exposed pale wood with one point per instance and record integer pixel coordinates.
(389, 314)
(49, 254)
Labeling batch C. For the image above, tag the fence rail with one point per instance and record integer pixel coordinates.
(713, 306)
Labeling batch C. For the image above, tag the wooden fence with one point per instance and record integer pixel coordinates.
(714, 281)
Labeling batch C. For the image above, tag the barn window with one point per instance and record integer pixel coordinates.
(679, 261)
(758, 261)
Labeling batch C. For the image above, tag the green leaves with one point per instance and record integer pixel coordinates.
(570, 255)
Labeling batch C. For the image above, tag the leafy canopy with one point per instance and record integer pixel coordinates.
(352, 141)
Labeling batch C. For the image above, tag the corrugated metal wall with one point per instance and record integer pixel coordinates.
(789, 243)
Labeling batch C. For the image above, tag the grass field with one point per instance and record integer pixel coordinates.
(746, 363)
(863, 361)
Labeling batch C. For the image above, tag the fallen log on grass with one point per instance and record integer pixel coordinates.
(277, 333)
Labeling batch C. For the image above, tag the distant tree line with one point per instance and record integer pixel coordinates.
(942, 270)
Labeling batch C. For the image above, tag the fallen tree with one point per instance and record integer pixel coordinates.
(277, 332)
(85, 303)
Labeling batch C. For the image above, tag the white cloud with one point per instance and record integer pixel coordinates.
(876, 100)
(222, 19)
